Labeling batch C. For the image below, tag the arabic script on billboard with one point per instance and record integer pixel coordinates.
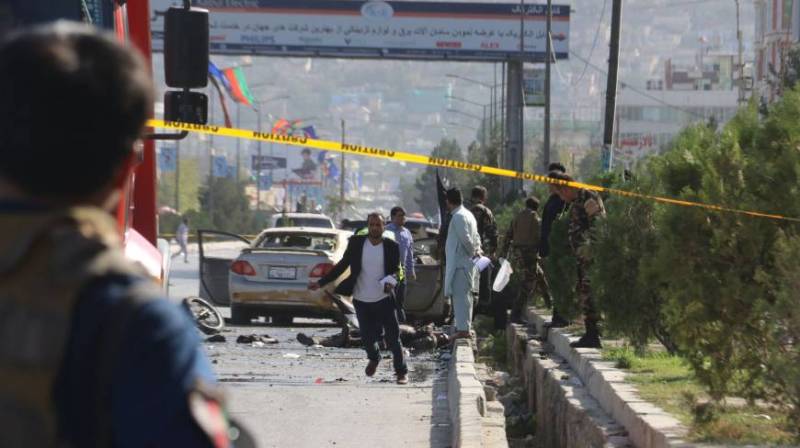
(377, 29)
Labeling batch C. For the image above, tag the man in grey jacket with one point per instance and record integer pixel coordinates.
(463, 244)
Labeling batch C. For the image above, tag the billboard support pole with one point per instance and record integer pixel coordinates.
(547, 62)
(513, 113)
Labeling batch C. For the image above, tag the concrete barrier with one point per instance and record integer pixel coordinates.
(566, 413)
(647, 425)
(466, 397)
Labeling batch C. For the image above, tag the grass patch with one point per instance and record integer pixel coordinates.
(669, 383)
(492, 346)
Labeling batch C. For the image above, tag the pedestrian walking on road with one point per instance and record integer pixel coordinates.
(522, 240)
(462, 245)
(182, 236)
(374, 263)
(553, 208)
(585, 208)
(487, 230)
(406, 242)
(92, 353)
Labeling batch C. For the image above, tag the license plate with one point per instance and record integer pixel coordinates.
(282, 273)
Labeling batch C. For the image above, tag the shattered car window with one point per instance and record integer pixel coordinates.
(298, 241)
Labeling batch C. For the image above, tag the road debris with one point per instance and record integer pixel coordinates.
(253, 338)
(216, 338)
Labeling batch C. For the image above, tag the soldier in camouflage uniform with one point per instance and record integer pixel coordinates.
(487, 230)
(523, 238)
(585, 208)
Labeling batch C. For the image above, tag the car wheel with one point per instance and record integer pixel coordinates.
(206, 317)
(283, 321)
(239, 316)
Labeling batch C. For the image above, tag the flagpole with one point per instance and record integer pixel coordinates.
(238, 143)
(258, 164)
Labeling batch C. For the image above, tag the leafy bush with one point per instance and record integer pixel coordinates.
(719, 288)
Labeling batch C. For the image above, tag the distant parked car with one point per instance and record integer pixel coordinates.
(302, 220)
(269, 276)
(420, 228)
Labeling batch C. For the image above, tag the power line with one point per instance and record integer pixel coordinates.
(594, 43)
(640, 92)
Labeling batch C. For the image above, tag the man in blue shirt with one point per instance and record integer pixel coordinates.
(97, 356)
(403, 238)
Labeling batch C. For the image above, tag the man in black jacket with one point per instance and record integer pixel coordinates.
(552, 209)
(374, 263)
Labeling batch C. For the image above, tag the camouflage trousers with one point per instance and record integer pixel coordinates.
(529, 277)
(583, 290)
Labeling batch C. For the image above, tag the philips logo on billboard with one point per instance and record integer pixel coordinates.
(257, 39)
(226, 3)
(377, 10)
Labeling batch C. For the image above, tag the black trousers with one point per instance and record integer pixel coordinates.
(400, 300)
(375, 318)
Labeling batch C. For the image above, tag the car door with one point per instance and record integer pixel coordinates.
(424, 295)
(217, 251)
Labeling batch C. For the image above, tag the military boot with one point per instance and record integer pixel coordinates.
(589, 340)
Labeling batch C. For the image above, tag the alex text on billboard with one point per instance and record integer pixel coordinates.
(377, 29)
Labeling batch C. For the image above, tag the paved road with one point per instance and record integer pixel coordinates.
(290, 395)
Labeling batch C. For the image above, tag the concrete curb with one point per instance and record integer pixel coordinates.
(466, 397)
(566, 413)
(648, 426)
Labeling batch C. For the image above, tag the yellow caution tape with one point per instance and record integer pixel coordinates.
(370, 151)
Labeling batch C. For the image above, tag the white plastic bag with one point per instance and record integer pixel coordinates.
(503, 275)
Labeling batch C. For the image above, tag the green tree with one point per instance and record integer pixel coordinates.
(189, 186)
(225, 206)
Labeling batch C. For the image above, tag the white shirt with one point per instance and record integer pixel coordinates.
(368, 285)
(182, 234)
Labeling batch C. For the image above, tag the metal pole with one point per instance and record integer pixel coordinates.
(547, 73)
(493, 106)
(341, 176)
(503, 109)
(521, 112)
(238, 143)
(258, 164)
(178, 176)
(742, 98)
(483, 125)
(611, 88)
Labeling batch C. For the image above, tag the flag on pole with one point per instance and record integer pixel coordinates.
(238, 86)
(216, 76)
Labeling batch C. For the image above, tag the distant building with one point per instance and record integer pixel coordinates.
(647, 124)
(707, 72)
(777, 29)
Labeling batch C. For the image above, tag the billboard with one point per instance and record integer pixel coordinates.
(533, 86)
(377, 29)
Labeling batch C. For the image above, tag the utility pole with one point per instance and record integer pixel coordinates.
(547, 62)
(521, 153)
(740, 83)
(341, 176)
(611, 86)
